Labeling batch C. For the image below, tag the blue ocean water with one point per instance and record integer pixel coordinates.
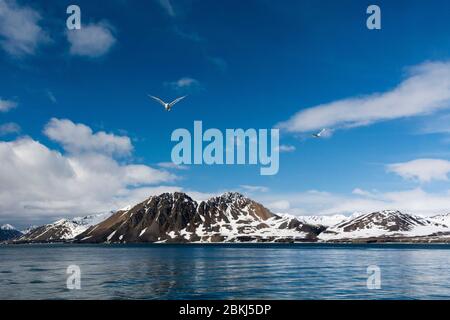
(303, 271)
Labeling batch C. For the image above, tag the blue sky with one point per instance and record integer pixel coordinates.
(244, 64)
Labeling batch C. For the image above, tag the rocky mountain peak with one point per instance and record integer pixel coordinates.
(7, 227)
(234, 205)
(172, 196)
(232, 196)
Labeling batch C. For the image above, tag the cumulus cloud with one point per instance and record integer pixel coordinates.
(6, 105)
(20, 32)
(9, 128)
(423, 170)
(426, 89)
(40, 181)
(92, 40)
(79, 138)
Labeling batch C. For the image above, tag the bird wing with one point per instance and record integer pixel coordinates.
(176, 101)
(158, 99)
(322, 132)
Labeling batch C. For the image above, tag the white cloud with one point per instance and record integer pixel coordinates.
(279, 206)
(20, 32)
(9, 128)
(438, 124)
(362, 192)
(254, 188)
(78, 138)
(423, 170)
(286, 148)
(413, 201)
(426, 89)
(6, 105)
(171, 165)
(167, 6)
(93, 40)
(39, 181)
(184, 84)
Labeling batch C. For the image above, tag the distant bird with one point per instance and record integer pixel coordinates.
(168, 106)
(320, 134)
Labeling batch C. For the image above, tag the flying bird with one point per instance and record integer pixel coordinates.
(320, 134)
(168, 106)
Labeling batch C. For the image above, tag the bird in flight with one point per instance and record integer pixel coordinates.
(168, 106)
(320, 134)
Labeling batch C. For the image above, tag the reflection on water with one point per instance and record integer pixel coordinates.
(225, 271)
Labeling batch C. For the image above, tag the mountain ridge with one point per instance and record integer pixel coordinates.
(60, 230)
(176, 217)
(232, 217)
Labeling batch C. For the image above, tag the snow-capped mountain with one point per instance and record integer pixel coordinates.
(231, 217)
(326, 221)
(175, 217)
(61, 230)
(442, 218)
(7, 227)
(383, 225)
(8, 232)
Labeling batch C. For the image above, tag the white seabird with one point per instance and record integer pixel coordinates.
(168, 106)
(320, 134)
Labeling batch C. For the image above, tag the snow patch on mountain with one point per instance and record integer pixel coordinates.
(442, 218)
(326, 221)
(7, 227)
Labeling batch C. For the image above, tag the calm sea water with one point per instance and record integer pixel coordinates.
(305, 271)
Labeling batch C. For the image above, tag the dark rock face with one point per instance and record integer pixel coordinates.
(149, 221)
(176, 218)
(9, 234)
